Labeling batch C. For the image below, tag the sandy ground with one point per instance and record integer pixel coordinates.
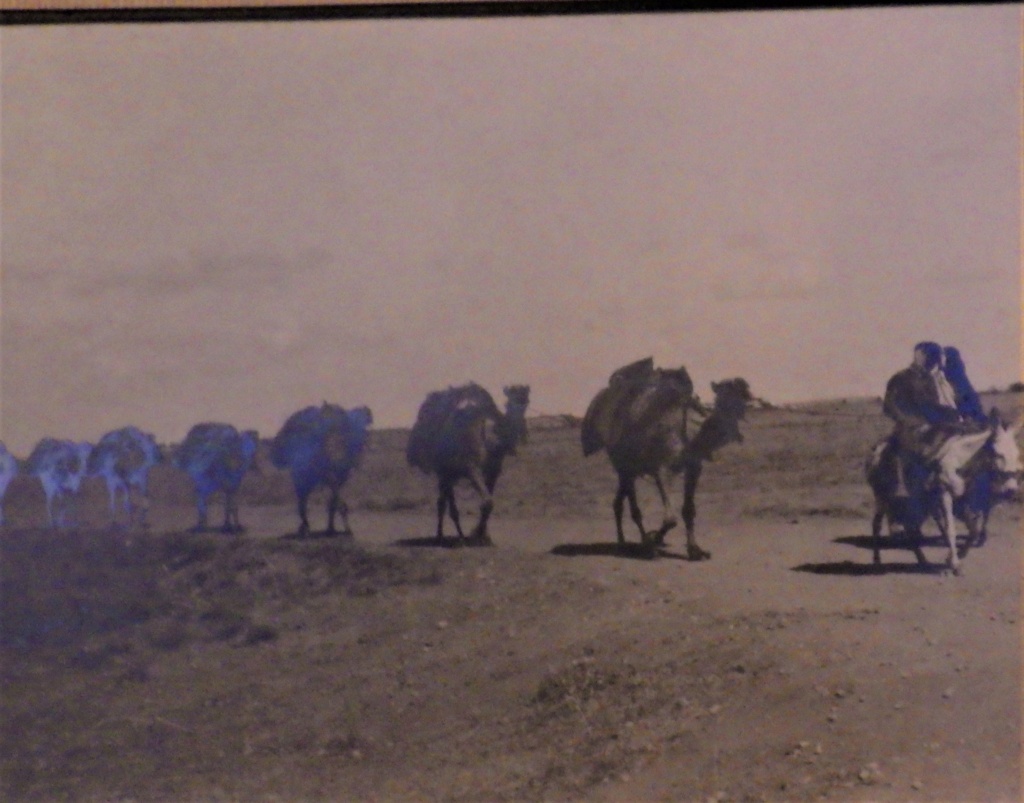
(552, 666)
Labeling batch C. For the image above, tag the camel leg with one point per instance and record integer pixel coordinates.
(692, 477)
(143, 505)
(201, 508)
(442, 504)
(668, 521)
(231, 521)
(112, 492)
(628, 490)
(343, 511)
(303, 513)
(617, 507)
(480, 485)
(332, 508)
(876, 532)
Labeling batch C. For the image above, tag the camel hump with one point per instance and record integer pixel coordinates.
(442, 411)
(308, 430)
(634, 372)
(636, 394)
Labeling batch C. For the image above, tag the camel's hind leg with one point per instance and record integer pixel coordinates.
(668, 521)
(627, 490)
(303, 513)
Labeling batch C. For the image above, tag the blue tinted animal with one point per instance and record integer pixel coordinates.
(60, 465)
(461, 434)
(322, 446)
(123, 458)
(969, 474)
(216, 457)
(8, 471)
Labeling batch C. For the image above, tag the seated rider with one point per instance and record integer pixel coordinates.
(923, 405)
(968, 403)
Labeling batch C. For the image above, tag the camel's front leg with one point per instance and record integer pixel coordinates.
(692, 477)
(477, 480)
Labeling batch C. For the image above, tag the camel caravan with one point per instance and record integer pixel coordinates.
(946, 459)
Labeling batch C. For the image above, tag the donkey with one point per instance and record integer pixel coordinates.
(972, 472)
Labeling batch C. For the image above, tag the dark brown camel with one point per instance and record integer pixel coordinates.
(461, 434)
(640, 419)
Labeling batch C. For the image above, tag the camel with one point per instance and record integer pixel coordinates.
(8, 471)
(123, 459)
(321, 446)
(972, 472)
(640, 419)
(217, 457)
(60, 465)
(461, 434)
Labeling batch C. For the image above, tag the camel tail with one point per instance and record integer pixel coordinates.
(591, 439)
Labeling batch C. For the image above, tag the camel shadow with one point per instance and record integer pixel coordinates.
(447, 543)
(315, 535)
(629, 551)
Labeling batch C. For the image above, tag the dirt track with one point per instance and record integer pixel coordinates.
(549, 667)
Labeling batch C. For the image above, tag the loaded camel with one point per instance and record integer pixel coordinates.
(217, 457)
(461, 434)
(123, 458)
(321, 446)
(640, 419)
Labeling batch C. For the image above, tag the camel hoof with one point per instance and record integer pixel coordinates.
(696, 553)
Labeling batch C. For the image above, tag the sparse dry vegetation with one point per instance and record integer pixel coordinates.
(163, 665)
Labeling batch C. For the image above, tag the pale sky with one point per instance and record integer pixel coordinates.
(231, 221)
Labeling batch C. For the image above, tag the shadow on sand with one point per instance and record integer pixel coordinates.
(631, 551)
(898, 541)
(314, 535)
(448, 543)
(850, 568)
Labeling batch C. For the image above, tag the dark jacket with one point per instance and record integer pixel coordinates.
(911, 400)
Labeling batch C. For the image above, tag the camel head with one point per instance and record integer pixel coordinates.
(732, 396)
(517, 399)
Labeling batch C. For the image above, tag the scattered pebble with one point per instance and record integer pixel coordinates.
(917, 786)
(948, 693)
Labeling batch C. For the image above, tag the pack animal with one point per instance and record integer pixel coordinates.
(322, 446)
(60, 465)
(217, 457)
(460, 434)
(8, 471)
(123, 458)
(971, 473)
(640, 419)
